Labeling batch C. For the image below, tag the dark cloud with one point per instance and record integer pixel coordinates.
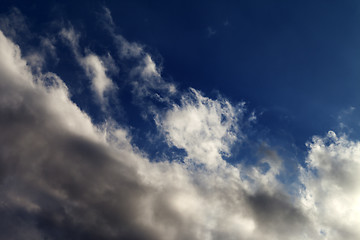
(277, 214)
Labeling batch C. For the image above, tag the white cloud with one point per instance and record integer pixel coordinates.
(126, 49)
(59, 168)
(148, 68)
(332, 186)
(205, 128)
(146, 74)
(96, 70)
(94, 67)
(147, 80)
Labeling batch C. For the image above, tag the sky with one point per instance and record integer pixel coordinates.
(172, 120)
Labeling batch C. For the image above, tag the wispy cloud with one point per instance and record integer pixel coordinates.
(94, 67)
(210, 31)
(146, 74)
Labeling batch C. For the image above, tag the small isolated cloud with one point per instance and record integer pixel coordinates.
(148, 80)
(210, 31)
(96, 71)
(94, 67)
(344, 118)
(125, 48)
(145, 75)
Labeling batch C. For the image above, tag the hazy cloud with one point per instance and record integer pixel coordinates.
(13, 23)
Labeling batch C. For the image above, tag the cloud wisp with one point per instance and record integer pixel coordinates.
(146, 74)
(64, 177)
(93, 66)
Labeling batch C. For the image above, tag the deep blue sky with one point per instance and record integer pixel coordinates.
(295, 63)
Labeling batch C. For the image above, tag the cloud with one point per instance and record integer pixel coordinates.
(14, 26)
(147, 81)
(332, 191)
(14, 23)
(57, 172)
(37, 58)
(210, 31)
(64, 177)
(125, 48)
(94, 67)
(145, 76)
(205, 128)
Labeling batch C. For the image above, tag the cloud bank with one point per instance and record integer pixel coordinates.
(64, 177)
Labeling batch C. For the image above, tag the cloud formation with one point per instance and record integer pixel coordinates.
(205, 128)
(63, 177)
(332, 192)
(94, 67)
(145, 75)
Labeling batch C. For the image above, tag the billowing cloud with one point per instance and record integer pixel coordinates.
(332, 192)
(205, 128)
(64, 177)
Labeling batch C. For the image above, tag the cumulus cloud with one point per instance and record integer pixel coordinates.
(205, 128)
(332, 192)
(64, 177)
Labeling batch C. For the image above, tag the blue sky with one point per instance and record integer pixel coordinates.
(194, 99)
(294, 63)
